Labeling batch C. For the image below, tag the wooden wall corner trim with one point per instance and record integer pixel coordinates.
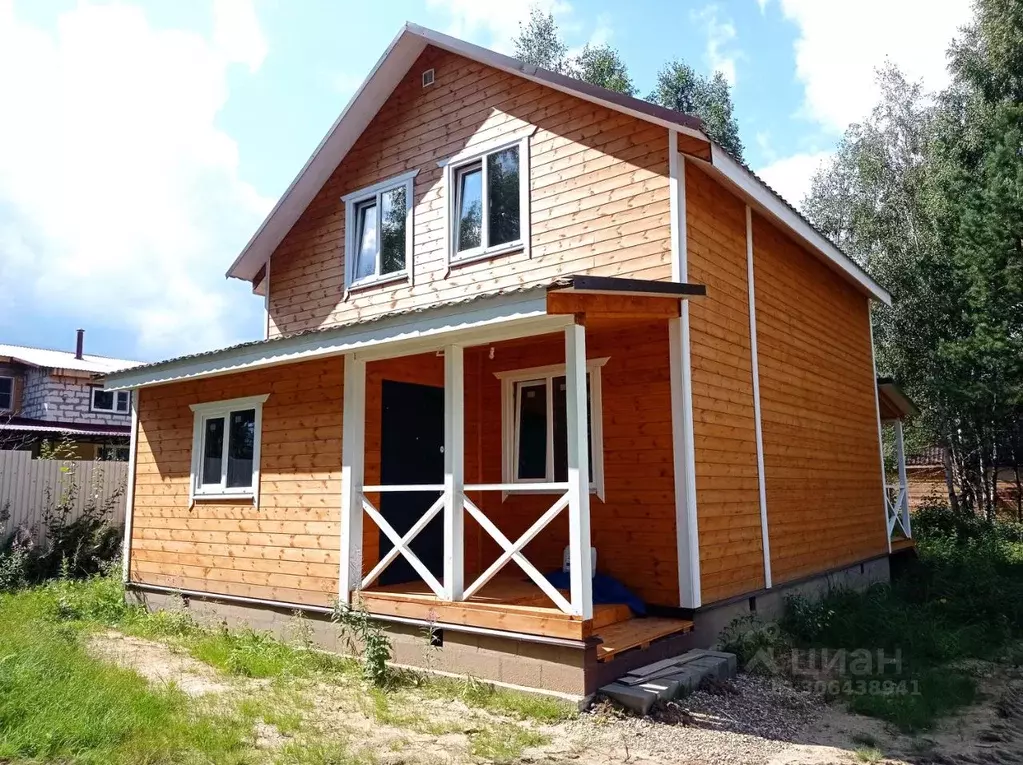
(129, 492)
(683, 444)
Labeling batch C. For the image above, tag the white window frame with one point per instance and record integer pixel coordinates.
(213, 410)
(452, 165)
(116, 397)
(509, 422)
(376, 191)
(11, 407)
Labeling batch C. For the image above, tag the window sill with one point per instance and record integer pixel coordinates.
(493, 252)
(376, 281)
(237, 495)
(594, 489)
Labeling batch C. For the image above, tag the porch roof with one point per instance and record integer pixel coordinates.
(893, 403)
(472, 320)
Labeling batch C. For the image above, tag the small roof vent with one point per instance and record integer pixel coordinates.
(428, 78)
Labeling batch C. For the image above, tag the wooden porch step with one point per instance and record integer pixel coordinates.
(637, 633)
(902, 543)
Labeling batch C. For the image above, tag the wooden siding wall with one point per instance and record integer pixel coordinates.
(598, 188)
(727, 490)
(819, 419)
(287, 548)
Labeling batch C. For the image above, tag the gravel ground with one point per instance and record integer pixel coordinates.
(748, 720)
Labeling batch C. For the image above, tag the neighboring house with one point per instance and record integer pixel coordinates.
(48, 395)
(515, 321)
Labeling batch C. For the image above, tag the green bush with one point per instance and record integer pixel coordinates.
(759, 646)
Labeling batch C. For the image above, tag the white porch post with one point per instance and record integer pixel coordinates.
(352, 461)
(900, 455)
(578, 471)
(683, 446)
(454, 472)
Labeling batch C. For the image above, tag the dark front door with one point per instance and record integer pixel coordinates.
(412, 452)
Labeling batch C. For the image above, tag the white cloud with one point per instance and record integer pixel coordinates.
(840, 45)
(236, 31)
(720, 36)
(120, 201)
(494, 24)
(791, 176)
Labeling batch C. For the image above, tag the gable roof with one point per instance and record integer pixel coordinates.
(50, 359)
(395, 63)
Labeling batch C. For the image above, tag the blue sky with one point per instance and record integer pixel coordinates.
(143, 142)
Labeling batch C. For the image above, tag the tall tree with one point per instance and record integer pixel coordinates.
(927, 193)
(602, 65)
(682, 88)
(539, 42)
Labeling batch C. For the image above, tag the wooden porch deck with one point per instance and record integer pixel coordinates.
(515, 605)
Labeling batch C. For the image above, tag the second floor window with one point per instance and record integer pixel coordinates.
(378, 232)
(117, 402)
(6, 394)
(488, 200)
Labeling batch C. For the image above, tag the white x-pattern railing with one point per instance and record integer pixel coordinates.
(511, 551)
(402, 543)
(573, 493)
(898, 515)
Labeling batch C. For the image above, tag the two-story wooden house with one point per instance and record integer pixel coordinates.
(517, 325)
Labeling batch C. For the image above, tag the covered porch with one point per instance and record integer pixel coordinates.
(488, 477)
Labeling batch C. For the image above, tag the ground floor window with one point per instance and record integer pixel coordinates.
(225, 448)
(535, 425)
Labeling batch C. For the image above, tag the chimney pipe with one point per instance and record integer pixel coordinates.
(80, 344)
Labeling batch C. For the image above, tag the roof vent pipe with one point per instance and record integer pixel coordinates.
(80, 344)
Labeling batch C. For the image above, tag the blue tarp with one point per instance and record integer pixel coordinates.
(606, 589)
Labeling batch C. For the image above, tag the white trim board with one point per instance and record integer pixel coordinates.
(682, 441)
(761, 478)
(129, 492)
(476, 322)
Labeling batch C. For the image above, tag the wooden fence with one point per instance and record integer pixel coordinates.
(26, 486)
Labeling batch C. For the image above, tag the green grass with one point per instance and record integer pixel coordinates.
(59, 704)
(504, 742)
(962, 600)
(869, 754)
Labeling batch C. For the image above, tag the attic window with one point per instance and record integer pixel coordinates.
(487, 191)
(378, 232)
(428, 78)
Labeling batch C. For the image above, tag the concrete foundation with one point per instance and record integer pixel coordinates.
(770, 604)
(570, 670)
(555, 668)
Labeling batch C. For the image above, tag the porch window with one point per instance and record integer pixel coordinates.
(535, 425)
(6, 394)
(116, 402)
(225, 448)
(488, 203)
(378, 232)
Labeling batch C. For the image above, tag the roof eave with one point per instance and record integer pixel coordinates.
(773, 205)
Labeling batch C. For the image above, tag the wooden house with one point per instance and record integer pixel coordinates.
(517, 325)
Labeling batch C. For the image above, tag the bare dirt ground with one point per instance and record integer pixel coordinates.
(752, 721)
